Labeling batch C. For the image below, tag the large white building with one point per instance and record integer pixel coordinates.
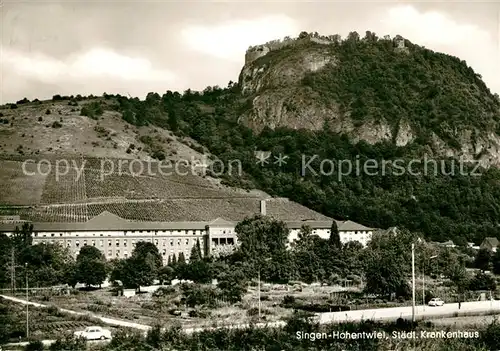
(116, 237)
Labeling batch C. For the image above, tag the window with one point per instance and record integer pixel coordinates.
(156, 242)
(60, 234)
(109, 242)
(117, 253)
(109, 253)
(117, 242)
(164, 252)
(85, 243)
(178, 241)
(69, 244)
(93, 242)
(187, 241)
(171, 242)
(125, 255)
(125, 243)
(101, 243)
(52, 234)
(163, 243)
(133, 242)
(77, 243)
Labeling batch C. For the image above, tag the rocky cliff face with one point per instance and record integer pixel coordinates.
(277, 97)
(273, 84)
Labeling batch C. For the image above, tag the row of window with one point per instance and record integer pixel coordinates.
(222, 241)
(167, 232)
(126, 254)
(124, 242)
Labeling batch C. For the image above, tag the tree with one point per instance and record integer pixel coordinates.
(334, 239)
(47, 263)
(195, 252)
(483, 259)
(483, 281)
(141, 268)
(304, 241)
(165, 274)
(496, 262)
(458, 275)
(182, 259)
(261, 237)
(303, 35)
(232, 285)
(23, 237)
(90, 266)
(387, 264)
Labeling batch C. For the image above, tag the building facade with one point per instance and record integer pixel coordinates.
(116, 237)
(348, 231)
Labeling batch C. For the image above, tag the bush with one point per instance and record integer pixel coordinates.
(288, 300)
(254, 311)
(40, 119)
(199, 314)
(92, 110)
(69, 343)
(164, 291)
(34, 346)
(56, 124)
(47, 112)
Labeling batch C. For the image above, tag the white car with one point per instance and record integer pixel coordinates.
(436, 302)
(93, 333)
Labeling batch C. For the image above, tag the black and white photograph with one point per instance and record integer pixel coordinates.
(249, 175)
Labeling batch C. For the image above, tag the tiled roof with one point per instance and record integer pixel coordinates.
(350, 226)
(493, 242)
(110, 221)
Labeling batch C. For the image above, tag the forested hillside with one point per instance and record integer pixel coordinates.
(458, 207)
(437, 94)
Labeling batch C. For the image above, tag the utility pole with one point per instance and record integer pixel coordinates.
(13, 271)
(259, 292)
(413, 282)
(27, 305)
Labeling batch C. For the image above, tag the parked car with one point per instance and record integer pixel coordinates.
(94, 333)
(436, 302)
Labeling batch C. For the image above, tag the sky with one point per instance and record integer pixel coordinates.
(132, 48)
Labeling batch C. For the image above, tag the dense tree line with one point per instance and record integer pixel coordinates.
(441, 206)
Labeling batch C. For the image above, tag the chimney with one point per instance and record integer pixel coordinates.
(263, 207)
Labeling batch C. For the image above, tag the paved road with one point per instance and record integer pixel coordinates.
(421, 312)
